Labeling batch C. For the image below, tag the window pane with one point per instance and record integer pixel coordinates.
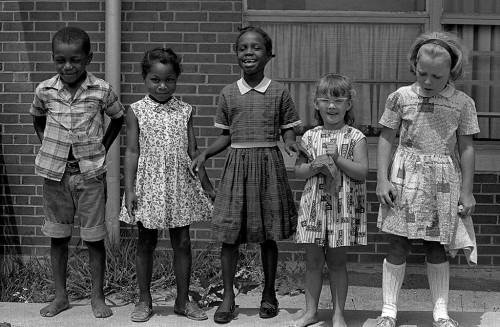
(339, 5)
(482, 81)
(374, 55)
(472, 7)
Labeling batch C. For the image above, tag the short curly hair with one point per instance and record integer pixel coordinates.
(164, 56)
(72, 35)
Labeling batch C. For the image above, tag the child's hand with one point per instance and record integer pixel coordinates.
(320, 164)
(386, 193)
(466, 204)
(196, 164)
(212, 194)
(131, 203)
(292, 146)
(332, 150)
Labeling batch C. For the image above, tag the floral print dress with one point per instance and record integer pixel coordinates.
(167, 194)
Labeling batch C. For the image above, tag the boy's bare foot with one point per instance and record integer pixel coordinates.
(305, 320)
(100, 308)
(55, 307)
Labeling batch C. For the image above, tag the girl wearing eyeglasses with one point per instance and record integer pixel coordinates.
(332, 214)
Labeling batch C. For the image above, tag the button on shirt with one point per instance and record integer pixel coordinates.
(74, 122)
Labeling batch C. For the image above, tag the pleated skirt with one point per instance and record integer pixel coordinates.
(254, 201)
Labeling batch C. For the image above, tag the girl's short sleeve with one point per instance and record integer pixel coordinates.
(288, 114)
(393, 111)
(468, 118)
(221, 118)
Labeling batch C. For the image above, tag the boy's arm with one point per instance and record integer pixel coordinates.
(466, 149)
(113, 130)
(39, 123)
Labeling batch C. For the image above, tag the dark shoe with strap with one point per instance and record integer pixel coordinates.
(268, 309)
(223, 317)
(191, 311)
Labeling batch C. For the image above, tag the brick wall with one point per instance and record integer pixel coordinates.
(202, 32)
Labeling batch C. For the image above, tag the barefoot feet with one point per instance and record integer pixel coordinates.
(55, 307)
(308, 318)
(99, 308)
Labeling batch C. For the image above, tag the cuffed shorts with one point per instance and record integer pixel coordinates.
(73, 197)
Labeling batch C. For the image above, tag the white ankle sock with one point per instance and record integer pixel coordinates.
(392, 279)
(439, 283)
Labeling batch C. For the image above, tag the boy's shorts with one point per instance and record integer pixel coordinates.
(74, 196)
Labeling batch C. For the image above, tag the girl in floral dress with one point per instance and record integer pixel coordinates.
(159, 191)
(426, 192)
(332, 213)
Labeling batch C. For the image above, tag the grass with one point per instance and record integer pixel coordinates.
(31, 280)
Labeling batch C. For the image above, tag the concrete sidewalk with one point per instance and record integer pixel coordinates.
(469, 308)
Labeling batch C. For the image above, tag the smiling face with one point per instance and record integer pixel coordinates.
(433, 73)
(332, 110)
(71, 62)
(252, 56)
(161, 81)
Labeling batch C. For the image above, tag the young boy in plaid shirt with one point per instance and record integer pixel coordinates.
(68, 115)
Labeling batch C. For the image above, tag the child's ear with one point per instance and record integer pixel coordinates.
(349, 105)
(89, 57)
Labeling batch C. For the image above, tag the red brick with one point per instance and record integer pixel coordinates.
(190, 16)
(85, 5)
(182, 27)
(224, 17)
(215, 69)
(90, 16)
(18, 5)
(490, 188)
(150, 6)
(216, 27)
(142, 16)
(217, 6)
(153, 27)
(199, 37)
(177, 6)
(18, 26)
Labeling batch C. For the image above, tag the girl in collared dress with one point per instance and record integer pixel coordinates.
(254, 201)
(426, 192)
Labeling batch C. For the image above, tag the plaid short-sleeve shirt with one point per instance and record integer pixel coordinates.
(74, 122)
(256, 115)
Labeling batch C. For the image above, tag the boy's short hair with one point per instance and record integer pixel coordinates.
(72, 35)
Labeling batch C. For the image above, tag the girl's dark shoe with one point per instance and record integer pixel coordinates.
(223, 317)
(268, 309)
(191, 311)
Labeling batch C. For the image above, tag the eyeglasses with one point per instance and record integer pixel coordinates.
(337, 102)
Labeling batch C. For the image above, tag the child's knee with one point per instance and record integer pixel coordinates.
(435, 252)
(399, 247)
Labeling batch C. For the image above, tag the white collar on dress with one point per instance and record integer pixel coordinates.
(446, 92)
(261, 88)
